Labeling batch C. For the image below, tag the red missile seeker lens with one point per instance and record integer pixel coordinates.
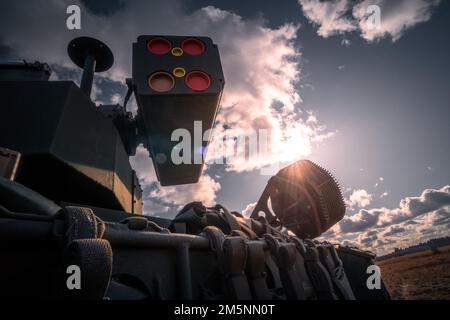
(198, 81)
(159, 46)
(161, 82)
(193, 46)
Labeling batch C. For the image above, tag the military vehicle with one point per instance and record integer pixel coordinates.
(70, 203)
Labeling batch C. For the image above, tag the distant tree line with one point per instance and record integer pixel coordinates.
(433, 245)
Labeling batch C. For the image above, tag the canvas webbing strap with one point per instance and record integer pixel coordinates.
(321, 280)
(86, 250)
(235, 258)
(285, 255)
(335, 268)
(300, 268)
(256, 271)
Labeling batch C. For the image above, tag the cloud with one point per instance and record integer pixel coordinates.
(143, 166)
(168, 201)
(367, 239)
(396, 17)
(359, 198)
(359, 222)
(409, 208)
(328, 16)
(260, 92)
(249, 209)
(393, 230)
(177, 196)
(382, 240)
(261, 80)
(415, 220)
(343, 16)
(441, 216)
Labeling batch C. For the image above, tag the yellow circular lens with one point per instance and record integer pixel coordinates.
(179, 72)
(177, 51)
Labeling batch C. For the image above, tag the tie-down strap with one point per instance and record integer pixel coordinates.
(87, 254)
(320, 278)
(285, 254)
(231, 254)
(335, 268)
(256, 271)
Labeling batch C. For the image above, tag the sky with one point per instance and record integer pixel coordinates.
(371, 105)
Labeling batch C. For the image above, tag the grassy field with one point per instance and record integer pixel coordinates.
(418, 276)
